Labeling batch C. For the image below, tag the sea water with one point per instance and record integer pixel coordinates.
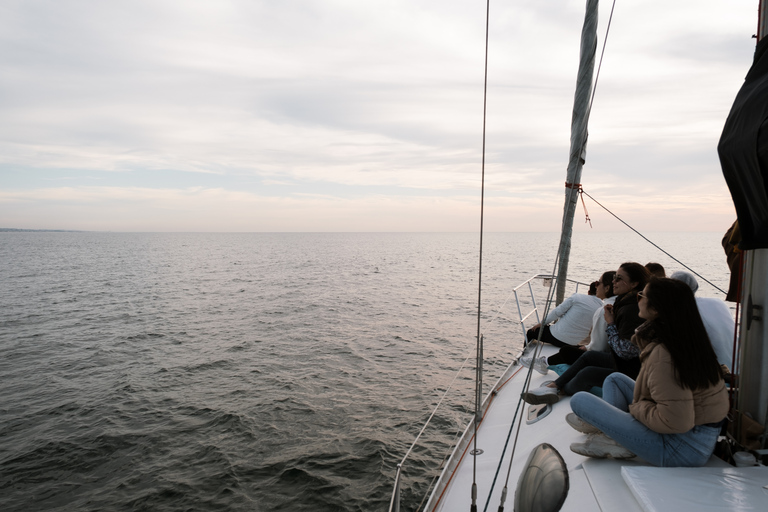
(260, 372)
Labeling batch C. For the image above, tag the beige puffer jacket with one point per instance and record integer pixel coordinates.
(662, 404)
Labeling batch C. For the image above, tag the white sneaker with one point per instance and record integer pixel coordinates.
(542, 395)
(600, 446)
(540, 365)
(579, 424)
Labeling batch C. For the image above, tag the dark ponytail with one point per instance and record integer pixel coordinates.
(607, 280)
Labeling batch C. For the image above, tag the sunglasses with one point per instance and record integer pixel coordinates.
(641, 295)
(617, 278)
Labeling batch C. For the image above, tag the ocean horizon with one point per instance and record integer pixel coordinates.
(260, 371)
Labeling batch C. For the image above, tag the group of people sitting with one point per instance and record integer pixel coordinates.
(658, 353)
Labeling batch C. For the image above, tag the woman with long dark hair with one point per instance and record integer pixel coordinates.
(593, 367)
(673, 414)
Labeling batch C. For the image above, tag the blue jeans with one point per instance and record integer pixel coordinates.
(610, 414)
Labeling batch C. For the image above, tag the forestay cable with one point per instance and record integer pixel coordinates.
(479, 367)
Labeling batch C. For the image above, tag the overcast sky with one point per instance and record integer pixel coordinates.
(360, 115)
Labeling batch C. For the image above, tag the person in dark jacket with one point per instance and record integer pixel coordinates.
(593, 367)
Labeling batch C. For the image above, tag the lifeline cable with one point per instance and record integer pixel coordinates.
(526, 385)
(653, 244)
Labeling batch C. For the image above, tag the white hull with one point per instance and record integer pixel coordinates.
(594, 484)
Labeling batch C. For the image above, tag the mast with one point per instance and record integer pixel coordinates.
(579, 123)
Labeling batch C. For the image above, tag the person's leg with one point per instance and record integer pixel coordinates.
(689, 449)
(589, 358)
(548, 337)
(620, 426)
(619, 391)
(568, 354)
(692, 448)
(586, 379)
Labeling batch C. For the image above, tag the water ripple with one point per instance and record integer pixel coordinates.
(249, 372)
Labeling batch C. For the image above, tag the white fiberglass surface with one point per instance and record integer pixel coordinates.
(701, 489)
(491, 468)
(595, 484)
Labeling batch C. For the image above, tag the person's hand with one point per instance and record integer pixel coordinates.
(583, 348)
(609, 317)
(536, 327)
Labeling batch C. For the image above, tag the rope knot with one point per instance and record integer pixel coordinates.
(577, 187)
(574, 186)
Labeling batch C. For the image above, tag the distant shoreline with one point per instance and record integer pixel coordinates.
(20, 230)
(17, 230)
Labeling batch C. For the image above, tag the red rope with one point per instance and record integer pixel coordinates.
(577, 187)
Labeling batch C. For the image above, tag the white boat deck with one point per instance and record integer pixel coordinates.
(595, 485)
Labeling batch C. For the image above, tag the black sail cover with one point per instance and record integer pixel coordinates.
(743, 151)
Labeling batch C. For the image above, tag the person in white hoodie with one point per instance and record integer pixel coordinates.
(717, 319)
(572, 321)
(568, 354)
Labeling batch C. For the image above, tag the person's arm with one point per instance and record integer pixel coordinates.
(559, 311)
(625, 349)
(669, 410)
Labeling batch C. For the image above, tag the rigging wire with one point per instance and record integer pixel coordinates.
(526, 384)
(602, 54)
(479, 367)
(582, 102)
(572, 187)
(555, 271)
(577, 186)
(653, 244)
(439, 469)
(439, 402)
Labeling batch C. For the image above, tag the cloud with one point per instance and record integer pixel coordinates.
(372, 104)
(216, 209)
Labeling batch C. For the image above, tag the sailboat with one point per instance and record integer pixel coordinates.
(512, 455)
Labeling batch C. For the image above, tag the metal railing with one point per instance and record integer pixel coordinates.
(547, 282)
(526, 307)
